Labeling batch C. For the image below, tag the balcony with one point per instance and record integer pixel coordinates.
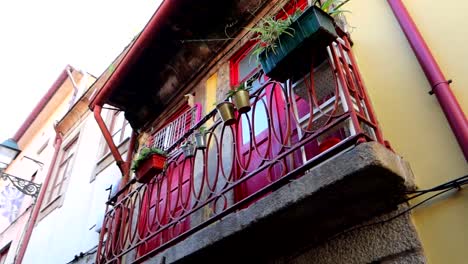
(306, 162)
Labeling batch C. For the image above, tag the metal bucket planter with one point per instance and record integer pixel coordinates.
(314, 30)
(241, 100)
(188, 150)
(226, 111)
(150, 167)
(200, 140)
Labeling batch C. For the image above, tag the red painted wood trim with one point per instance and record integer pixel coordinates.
(156, 23)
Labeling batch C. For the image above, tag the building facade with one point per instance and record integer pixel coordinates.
(242, 195)
(36, 140)
(81, 180)
(322, 164)
(412, 119)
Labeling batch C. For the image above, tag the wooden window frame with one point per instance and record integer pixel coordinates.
(105, 158)
(181, 110)
(66, 160)
(115, 129)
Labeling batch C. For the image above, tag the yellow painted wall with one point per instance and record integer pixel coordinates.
(411, 119)
(211, 85)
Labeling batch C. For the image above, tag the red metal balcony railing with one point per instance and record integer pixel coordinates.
(290, 128)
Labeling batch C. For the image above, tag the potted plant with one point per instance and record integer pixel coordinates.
(241, 98)
(150, 161)
(188, 149)
(226, 111)
(200, 138)
(287, 48)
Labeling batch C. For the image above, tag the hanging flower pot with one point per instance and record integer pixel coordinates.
(149, 163)
(303, 45)
(226, 111)
(188, 149)
(200, 139)
(241, 100)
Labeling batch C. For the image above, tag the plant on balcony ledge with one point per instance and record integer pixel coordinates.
(188, 149)
(200, 138)
(226, 111)
(288, 47)
(241, 98)
(150, 162)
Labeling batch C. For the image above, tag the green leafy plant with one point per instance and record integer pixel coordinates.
(145, 153)
(186, 143)
(202, 129)
(332, 7)
(231, 93)
(241, 87)
(269, 29)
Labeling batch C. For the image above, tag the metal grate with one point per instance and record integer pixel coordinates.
(168, 135)
(324, 83)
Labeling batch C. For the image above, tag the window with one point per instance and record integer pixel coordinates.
(119, 128)
(291, 7)
(177, 126)
(243, 67)
(62, 172)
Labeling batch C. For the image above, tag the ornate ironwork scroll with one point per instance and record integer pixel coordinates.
(24, 186)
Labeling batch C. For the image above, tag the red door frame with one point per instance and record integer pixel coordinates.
(255, 182)
(162, 195)
(243, 190)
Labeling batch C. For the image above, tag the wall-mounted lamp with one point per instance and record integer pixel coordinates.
(9, 150)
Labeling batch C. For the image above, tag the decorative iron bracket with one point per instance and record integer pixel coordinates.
(27, 187)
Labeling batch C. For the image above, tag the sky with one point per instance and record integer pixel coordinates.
(39, 38)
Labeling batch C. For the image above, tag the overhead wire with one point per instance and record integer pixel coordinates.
(440, 189)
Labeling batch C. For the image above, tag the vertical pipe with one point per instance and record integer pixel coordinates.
(131, 149)
(439, 84)
(40, 199)
(75, 88)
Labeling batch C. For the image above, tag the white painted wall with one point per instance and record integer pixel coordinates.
(68, 230)
(13, 235)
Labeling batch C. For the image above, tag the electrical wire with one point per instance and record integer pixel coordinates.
(440, 189)
(459, 181)
(456, 183)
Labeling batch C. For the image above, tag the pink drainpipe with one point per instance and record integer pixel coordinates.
(439, 84)
(37, 207)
